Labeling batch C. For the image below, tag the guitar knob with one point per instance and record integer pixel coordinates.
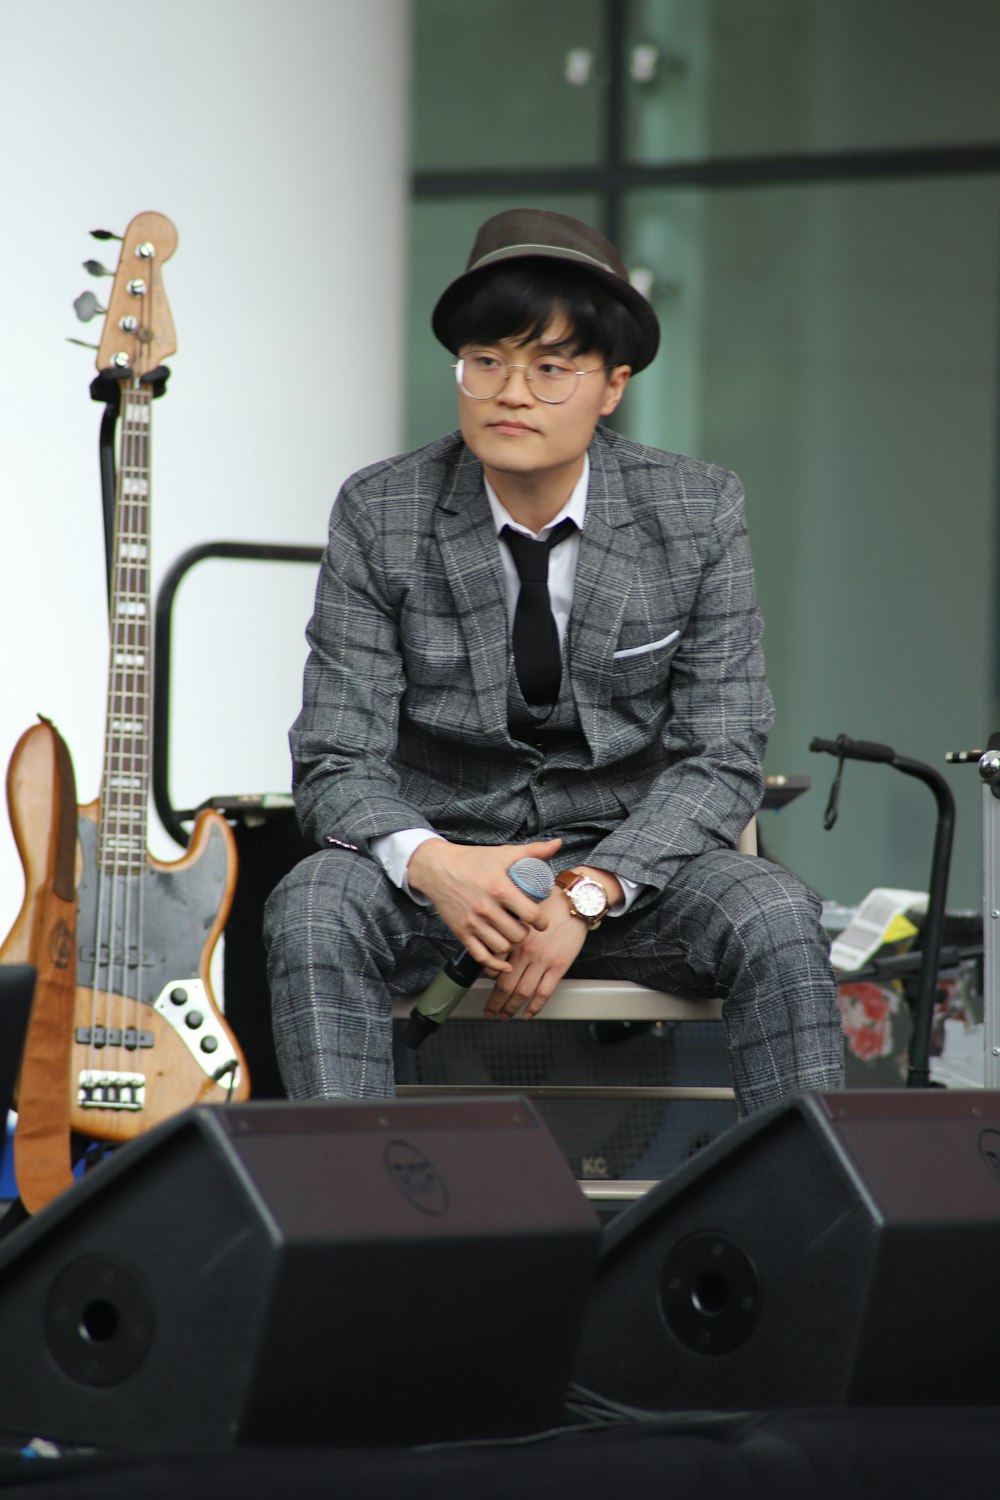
(94, 268)
(87, 306)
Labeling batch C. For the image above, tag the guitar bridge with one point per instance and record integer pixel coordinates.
(100, 1090)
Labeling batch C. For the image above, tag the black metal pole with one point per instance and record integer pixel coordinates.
(918, 1075)
(844, 748)
(163, 618)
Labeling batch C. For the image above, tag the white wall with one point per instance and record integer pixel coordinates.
(274, 136)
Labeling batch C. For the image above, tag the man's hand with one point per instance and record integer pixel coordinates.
(475, 897)
(541, 958)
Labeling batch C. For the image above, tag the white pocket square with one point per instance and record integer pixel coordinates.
(642, 650)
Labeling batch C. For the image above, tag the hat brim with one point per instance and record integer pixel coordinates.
(647, 340)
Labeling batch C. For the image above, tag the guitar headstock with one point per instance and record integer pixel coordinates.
(139, 329)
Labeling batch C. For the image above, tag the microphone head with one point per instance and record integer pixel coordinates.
(534, 877)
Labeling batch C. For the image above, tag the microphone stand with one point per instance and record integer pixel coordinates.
(843, 748)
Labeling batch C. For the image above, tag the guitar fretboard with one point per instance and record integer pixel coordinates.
(125, 787)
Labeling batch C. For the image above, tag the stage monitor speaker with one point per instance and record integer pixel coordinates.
(302, 1274)
(838, 1249)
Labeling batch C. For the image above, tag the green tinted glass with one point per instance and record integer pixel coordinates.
(723, 78)
(836, 346)
(506, 83)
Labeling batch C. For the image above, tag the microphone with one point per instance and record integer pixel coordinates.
(535, 879)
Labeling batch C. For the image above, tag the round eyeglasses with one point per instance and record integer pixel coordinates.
(552, 379)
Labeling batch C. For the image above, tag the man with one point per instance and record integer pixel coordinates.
(536, 638)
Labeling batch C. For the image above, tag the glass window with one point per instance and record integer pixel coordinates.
(837, 345)
(507, 83)
(723, 78)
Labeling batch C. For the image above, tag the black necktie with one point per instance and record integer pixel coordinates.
(537, 658)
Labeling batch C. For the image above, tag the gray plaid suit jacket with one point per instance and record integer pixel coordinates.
(405, 707)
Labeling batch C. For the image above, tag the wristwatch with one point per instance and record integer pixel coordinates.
(587, 898)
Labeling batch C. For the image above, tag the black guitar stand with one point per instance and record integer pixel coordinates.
(918, 1074)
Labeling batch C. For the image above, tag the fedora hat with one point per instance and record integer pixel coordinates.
(525, 234)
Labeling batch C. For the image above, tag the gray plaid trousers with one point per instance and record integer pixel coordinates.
(342, 940)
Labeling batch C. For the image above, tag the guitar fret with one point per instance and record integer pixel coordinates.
(125, 788)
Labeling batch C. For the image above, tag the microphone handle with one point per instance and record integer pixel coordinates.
(440, 998)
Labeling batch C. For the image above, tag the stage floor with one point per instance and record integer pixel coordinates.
(904, 1454)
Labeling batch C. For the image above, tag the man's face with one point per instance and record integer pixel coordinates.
(514, 432)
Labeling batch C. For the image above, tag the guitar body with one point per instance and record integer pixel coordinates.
(148, 1037)
(33, 800)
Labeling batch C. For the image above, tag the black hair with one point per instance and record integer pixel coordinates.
(518, 301)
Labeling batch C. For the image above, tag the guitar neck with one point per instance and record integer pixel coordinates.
(125, 787)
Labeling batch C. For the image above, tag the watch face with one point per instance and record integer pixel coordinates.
(589, 899)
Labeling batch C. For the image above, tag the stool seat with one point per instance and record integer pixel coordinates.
(588, 1000)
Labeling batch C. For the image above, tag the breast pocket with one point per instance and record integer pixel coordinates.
(627, 651)
(644, 665)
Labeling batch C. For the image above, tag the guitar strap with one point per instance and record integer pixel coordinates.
(42, 1161)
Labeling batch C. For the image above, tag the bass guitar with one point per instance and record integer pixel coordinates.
(147, 1037)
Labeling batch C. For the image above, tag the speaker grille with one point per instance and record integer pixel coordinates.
(601, 1139)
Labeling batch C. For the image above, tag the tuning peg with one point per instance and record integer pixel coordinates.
(82, 345)
(104, 234)
(86, 306)
(96, 269)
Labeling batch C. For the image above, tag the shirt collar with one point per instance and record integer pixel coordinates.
(575, 508)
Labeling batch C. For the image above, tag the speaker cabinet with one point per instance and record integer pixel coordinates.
(308, 1274)
(838, 1249)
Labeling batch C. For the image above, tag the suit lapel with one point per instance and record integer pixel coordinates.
(609, 548)
(465, 532)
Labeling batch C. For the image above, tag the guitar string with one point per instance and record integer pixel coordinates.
(133, 727)
(98, 1012)
(120, 860)
(120, 864)
(126, 800)
(106, 881)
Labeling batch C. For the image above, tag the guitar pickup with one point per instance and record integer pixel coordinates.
(113, 1036)
(111, 1090)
